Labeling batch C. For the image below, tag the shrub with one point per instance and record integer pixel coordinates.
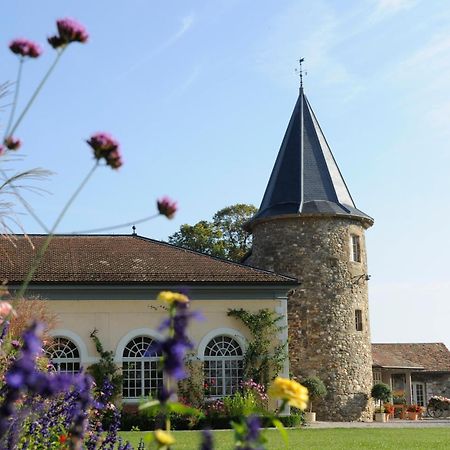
(381, 392)
(316, 389)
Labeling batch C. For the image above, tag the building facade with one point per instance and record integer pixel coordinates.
(110, 284)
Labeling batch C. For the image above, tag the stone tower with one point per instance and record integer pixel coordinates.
(309, 228)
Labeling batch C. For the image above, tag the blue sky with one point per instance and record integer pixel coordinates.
(200, 93)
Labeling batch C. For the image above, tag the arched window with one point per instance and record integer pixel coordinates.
(64, 355)
(141, 372)
(223, 362)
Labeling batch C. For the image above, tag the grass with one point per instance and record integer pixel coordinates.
(336, 438)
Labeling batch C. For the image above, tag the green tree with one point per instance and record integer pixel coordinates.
(223, 236)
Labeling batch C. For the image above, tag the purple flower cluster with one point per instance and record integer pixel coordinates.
(175, 346)
(107, 148)
(25, 47)
(251, 439)
(12, 143)
(69, 30)
(167, 207)
(207, 440)
(24, 382)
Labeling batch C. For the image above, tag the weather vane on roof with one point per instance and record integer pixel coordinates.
(134, 229)
(300, 71)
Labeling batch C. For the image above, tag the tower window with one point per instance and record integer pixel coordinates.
(358, 320)
(355, 248)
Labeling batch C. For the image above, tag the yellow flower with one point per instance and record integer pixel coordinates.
(170, 297)
(291, 391)
(163, 437)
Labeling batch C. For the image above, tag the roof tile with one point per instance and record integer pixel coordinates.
(433, 357)
(120, 259)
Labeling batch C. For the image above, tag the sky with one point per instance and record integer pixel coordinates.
(199, 94)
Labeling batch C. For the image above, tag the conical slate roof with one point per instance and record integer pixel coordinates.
(306, 178)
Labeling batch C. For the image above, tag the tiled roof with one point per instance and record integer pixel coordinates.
(118, 259)
(432, 357)
(306, 178)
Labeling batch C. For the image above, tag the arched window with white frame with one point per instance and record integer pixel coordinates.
(223, 366)
(64, 355)
(141, 371)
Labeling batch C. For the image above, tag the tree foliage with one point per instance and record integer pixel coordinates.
(223, 236)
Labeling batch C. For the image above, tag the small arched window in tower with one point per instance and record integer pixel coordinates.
(358, 320)
(141, 373)
(63, 355)
(355, 248)
(223, 366)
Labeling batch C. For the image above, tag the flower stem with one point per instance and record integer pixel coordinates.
(114, 227)
(36, 92)
(46, 243)
(16, 96)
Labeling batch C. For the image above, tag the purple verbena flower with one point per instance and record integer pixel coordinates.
(167, 207)
(107, 148)
(69, 30)
(207, 440)
(25, 47)
(12, 143)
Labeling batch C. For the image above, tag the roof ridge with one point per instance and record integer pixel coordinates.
(245, 266)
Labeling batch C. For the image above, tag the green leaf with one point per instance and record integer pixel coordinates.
(148, 404)
(183, 409)
(280, 427)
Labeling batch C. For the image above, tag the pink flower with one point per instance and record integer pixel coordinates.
(5, 310)
(107, 148)
(12, 143)
(69, 31)
(167, 207)
(2, 150)
(24, 47)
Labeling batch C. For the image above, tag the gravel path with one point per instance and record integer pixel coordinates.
(396, 423)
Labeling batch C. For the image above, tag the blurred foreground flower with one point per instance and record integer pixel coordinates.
(13, 143)
(167, 207)
(163, 438)
(171, 297)
(107, 148)
(289, 391)
(24, 47)
(5, 310)
(69, 31)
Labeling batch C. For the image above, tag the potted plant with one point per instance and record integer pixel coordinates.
(316, 389)
(381, 392)
(389, 410)
(413, 411)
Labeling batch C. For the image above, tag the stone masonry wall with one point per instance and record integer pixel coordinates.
(323, 339)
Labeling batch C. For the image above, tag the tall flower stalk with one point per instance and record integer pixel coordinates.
(173, 349)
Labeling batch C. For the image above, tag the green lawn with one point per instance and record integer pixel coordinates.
(337, 438)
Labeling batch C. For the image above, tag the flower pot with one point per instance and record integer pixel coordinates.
(310, 417)
(380, 417)
(413, 415)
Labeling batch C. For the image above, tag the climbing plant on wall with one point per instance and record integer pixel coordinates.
(262, 360)
(106, 368)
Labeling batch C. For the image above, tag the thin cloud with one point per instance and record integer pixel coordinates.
(187, 22)
(386, 8)
(186, 83)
